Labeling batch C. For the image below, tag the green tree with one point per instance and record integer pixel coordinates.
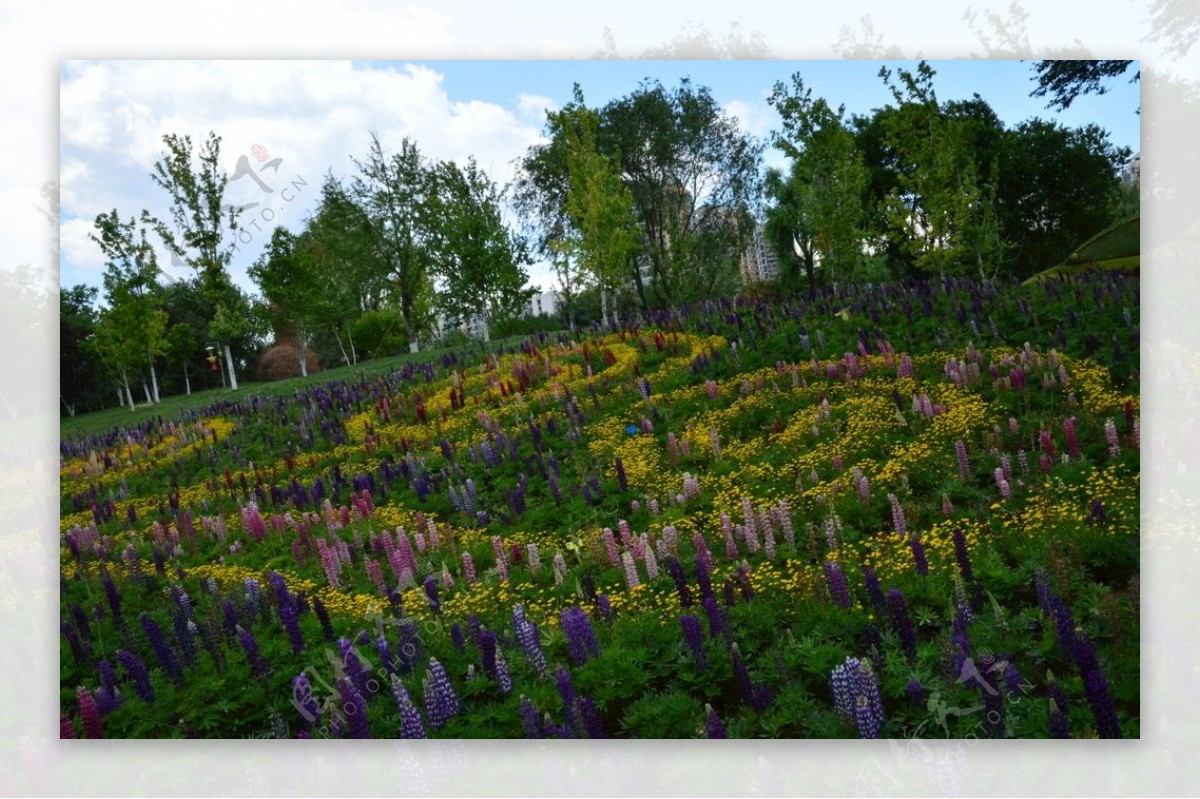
(478, 259)
(395, 191)
(695, 182)
(77, 375)
(821, 205)
(601, 236)
(292, 290)
(1065, 80)
(134, 320)
(201, 233)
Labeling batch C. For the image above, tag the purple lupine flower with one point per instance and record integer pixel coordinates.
(114, 599)
(856, 696)
(530, 721)
(431, 593)
(693, 636)
(1072, 435)
(89, 714)
(593, 724)
(323, 617)
(960, 641)
(167, 660)
(411, 725)
(874, 590)
(354, 707)
(1110, 435)
(675, 569)
(441, 701)
(604, 608)
(919, 559)
(503, 674)
(713, 728)
(964, 465)
(77, 648)
(915, 692)
(716, 617)
(566, 692)
(839, 587)
(527, 636)
(139, 675)
(580, 636)
(303, 699)
(902, 622)
(947, 506)
(961, 556)
(753, 694)
(250, 647)
(291, 622)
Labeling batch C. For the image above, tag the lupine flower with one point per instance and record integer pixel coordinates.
(411, 725)
(580, 636)
(139, 675)
(527, 636)
(898, 609)
(839, 587)
(919, 559)
(915, 692)
(566, 692)
(856, 696)
(441, 701)
(66, 727)
(964, 465)
(1110, 435)
(89, 714)
(693, 636)
(593, 724)
(622, 480)
(303, 699)
(651, 561)
(468, 565)
(716, 618)
(323, 617)
(874, 590)
(898, 520)
(530, 721)
(354, 707)
(604, 608)
(713, 728)
(631, 573)
(162, 650)
(753, 694)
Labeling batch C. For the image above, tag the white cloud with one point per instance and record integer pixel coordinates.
(312, 114)
(75, 244)
(536, 106)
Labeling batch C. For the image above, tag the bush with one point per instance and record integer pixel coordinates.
(280, 362)
(379, 334)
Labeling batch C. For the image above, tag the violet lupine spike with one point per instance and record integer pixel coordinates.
(839, 587)
(139, 675)
(531, 722)
(303, 699)
(354, 707)
(441, 701)
(693, 636)
(527, 636)
(856, 696)
(411, 725)
(566, 692)
(250, 647)
(468, 566)
(651, 561)
(920, 561)
(713, 727)
(874, 590)
(902, 622)
(503, 674)
(1110, 435)
(166, 657)
(581, 638)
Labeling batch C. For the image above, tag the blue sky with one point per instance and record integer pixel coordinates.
(315, 115)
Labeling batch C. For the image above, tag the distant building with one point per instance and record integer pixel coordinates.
(544, 304)
(759, 261)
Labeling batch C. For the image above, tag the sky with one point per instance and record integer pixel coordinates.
(288, 123)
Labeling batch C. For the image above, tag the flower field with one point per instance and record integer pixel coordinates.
(883, 511)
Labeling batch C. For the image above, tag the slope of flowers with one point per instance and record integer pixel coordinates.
(754, 520)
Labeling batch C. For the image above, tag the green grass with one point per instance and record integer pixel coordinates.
(95, 422)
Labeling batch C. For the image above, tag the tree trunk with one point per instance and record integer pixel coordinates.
(232, 375)
(120, 396)
(187, 380)
(146, 391)
(70, 408)
(128, 393)
(300, 354)
(342, 347)
(353, 351)
(154, 382)
(604, 305)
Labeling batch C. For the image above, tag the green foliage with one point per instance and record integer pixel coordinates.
(379, 333)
